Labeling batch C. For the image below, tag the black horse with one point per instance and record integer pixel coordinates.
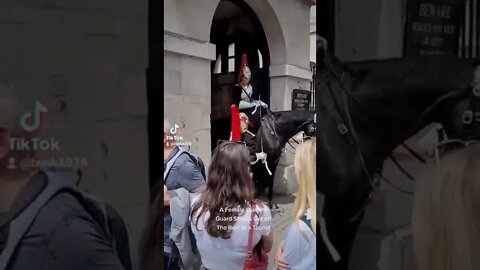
(275, 130)
(365, 110)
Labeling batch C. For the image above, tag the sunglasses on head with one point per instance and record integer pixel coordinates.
(448, 146)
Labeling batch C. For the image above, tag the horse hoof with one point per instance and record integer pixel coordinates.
(272, 206)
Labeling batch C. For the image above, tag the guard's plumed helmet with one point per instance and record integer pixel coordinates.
(244, 69)
(236, 130)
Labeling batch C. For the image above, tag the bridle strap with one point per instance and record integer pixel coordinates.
(413, 153)
(346, 128)
(407, 174)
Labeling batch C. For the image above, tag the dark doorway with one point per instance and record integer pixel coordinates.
(236, 30)
(155, 96)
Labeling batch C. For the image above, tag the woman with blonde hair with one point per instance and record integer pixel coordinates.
(446, 215)
(298, 250)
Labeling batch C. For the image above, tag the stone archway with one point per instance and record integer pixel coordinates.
(273, 30)
(240, 27)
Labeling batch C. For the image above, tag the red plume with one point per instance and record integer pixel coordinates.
(236, 131)
(244, 64)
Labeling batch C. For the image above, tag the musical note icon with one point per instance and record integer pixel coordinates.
(32, 121)
(174, 129)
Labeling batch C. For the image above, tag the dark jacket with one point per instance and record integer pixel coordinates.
(237, 95)
(250, 140)
(63, 235)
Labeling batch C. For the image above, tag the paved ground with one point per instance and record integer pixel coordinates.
(281, 223)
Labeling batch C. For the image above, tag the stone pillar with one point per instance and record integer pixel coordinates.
(283, 79)
(187, 84)
(392, 26)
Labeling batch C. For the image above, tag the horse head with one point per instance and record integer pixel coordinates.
(367, 109)
(391, 100)
(278, 127)
(459, 114)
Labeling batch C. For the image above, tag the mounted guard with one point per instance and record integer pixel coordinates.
(243, 96)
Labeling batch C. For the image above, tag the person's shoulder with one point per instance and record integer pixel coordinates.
(299, 229)
(185, 157)
(59, 210)
(70, 217)
(185, 164)
(65, 203)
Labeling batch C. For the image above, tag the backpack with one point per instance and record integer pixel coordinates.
(60, 181)
(168, 165)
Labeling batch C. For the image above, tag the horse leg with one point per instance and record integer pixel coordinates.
(271, 204)
(258, 178)
(341, 233)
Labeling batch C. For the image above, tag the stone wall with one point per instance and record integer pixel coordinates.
(371, 29)
(86, 61)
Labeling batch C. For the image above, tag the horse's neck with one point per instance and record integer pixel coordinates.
(290, 128)
(391, 118)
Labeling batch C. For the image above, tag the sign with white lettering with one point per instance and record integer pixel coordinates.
(433, 27)
(301, 99)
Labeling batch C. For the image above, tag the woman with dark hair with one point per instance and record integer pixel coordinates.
(221, 214)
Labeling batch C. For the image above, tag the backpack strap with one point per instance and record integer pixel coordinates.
(65, 181)
(121, 236)
(171, 162)
(199, 163)
(58, 181)
(111, 223)
(192, 156)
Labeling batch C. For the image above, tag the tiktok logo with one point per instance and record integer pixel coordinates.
(174, 129)
(32, 121)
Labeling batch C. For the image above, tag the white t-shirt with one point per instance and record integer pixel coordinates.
(301, 249)
(221, 254)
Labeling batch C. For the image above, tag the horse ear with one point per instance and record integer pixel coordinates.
(322, 43)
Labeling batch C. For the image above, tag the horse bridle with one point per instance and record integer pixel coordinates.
(472, 116)
(346, 129)
(273, 131)
(345, 124)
